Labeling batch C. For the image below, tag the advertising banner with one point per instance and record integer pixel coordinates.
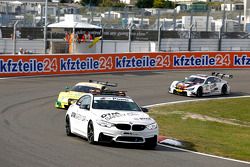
(29, 65)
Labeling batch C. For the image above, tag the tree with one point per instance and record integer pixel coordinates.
(144, 3)
(159, 4)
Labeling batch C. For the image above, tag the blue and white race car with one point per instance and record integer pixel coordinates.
(202, 85)
(111, 118)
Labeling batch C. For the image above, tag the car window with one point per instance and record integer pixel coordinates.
(112, 103)
(211, 80)
(85, 89)
(86, 100)
(194, 80)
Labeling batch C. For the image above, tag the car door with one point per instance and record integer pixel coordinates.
(84, 112)
(210, 86)
(74, 115)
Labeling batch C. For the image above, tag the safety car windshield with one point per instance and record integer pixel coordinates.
(115, 103)
(194, 80)
(85, 89)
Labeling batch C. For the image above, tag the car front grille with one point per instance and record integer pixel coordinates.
(129, 127)
(123, 126)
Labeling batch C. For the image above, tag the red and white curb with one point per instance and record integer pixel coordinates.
(177, 145)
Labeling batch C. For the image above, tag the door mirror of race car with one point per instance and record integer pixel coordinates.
(209, 82)
(144, 109)
(67, 88)
(86, 107)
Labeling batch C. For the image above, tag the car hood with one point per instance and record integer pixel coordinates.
(73, 94)
(115, 116)
(184, 85)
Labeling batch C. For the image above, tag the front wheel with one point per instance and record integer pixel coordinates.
(151, 143)
(91, 133)
(199, 92)
(68, 127)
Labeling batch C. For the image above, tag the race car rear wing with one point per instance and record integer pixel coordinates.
(221, 75)
(104, 83)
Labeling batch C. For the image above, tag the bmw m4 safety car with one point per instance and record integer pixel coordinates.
(202, 85)
(111, 118)
(71, 95)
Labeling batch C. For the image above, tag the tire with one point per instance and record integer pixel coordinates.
(68, 127)
(199, 92)
(151, 143)
(91, 133)
(224, 90)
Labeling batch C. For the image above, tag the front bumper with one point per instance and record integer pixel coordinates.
(182, 92)
(64, 104)
(125, 136)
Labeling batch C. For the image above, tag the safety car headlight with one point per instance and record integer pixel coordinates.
(104, 123)
(152, 126)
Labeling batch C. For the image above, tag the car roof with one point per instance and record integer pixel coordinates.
(203, 76)
(96, 85)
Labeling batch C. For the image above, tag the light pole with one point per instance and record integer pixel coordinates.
(45, 26)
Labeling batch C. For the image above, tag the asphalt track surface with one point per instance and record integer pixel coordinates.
(32, 131)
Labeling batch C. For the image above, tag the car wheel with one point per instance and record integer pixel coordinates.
(151, 143)
(199, 92)
(68, 127)
(91, 133)
(224, 90)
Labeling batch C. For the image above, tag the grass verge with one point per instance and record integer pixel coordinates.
(218, 127)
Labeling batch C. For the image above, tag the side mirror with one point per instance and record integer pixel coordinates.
(144, 109)
(67, 88)
(209, 82)
(86, 107)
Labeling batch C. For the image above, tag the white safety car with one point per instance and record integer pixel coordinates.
(202, 85)
(111, 118)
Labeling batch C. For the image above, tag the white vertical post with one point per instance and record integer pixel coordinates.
(14, 37)
(45, 26)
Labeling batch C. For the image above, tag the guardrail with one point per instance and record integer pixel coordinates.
(31, 65)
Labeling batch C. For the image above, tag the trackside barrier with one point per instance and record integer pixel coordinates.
(30, 65)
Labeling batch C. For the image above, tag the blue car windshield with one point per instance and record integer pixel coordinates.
(114, 104)
(85, 89)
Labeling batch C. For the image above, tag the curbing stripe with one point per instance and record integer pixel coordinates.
(193, 152)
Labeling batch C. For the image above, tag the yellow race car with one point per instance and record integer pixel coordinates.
(71, 95)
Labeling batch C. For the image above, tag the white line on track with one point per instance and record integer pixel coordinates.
(199, 153)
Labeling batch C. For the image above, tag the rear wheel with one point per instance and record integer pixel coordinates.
(199, 92)
(91, 133)
(68, 127)
(224, 90)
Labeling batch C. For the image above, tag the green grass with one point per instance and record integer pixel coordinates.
(224, 129)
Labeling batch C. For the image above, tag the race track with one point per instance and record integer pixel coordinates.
(32, 130)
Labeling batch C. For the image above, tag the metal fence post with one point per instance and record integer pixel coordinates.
(190, 37)
(159, 37)
(14, 37)
(45, 26)
(129, 36)
(158, 18)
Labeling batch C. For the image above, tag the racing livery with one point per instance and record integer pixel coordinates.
(111, 118)
(202, 85)
(71, 95)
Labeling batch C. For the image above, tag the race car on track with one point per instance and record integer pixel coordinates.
(71, 95)
(111, 118)
(202, 85)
